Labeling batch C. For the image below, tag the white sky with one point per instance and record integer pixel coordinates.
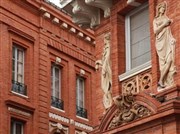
(56, 2)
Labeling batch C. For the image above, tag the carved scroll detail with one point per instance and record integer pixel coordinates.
(128, 110)
(137, 83)
(58, 128)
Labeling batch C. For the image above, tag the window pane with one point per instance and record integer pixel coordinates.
(18, 128)
(17, 64)
(19, 68)
(20, 56)
(55, 81)
(80, 92)
(140, 38)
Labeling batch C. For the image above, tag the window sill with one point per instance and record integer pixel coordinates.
(82, 118)
(57, 109)
(135, 71)
(24, 96)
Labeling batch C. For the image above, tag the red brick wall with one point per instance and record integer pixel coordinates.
(116, 25)
(22, 22)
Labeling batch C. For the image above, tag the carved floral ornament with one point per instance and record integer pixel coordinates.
(137, 83)
(57, 128)
(128, 110)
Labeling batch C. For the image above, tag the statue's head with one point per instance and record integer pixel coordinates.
(161, 8)
(107, 38)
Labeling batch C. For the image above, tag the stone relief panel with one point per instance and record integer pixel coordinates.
(137, 83)
(128, 110)
(57, 128)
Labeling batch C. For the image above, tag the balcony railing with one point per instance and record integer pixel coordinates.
(19, 88)
(137, 83)
(57, 103)
(82, 112)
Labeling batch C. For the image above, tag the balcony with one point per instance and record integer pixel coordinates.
(137, 83)
(57, 103)
(19, 88)
(82, 112)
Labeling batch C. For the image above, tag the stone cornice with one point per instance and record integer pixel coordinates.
(50, 14)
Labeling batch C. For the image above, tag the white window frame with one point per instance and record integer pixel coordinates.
(53, 90)
(78, 91)
(132, 71)
(128, 36)
(14, 122)
(16, 61)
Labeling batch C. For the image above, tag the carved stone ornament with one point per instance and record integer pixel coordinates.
(105, 5)
(57, 128)
(165, 46)
(86, 12)
(137, 83)
(128, 110)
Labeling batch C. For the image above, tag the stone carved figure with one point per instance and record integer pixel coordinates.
(165, 46)
(106, 73)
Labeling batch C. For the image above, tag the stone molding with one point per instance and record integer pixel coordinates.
(17, 111)
(85, 13)
(69, 121)
(81, 21)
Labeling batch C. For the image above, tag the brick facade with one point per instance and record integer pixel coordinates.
(31, 25)
(162, 121)
(45, 34)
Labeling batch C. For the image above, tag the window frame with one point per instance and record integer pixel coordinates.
(128, 43)
(79, 77)
(14, 122)
(16, 62)
(53, 89)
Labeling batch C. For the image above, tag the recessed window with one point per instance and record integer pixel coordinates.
(18, 85)
(56, 100)
(137, 38)
(17, 127)
(80, 97)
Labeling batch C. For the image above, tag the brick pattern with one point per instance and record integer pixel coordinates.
(44, 41)
(116, 25)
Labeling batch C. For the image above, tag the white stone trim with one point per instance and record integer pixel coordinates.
(128, 35)
(135, 71)
(83, 126)
(55, 20)
(58, 117)
(19, 94)
(47, 15)
(82, 118)
(133, 3)
(18, 111)
(58, 109)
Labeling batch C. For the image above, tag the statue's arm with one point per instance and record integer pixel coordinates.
(159, 27)
(98, 63)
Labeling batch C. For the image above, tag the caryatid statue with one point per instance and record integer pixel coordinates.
(165, 46)
(106, 73)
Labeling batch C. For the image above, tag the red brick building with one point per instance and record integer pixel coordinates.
(47, 70)
(48, 82)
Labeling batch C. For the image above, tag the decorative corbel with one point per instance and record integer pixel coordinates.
(83, 10)
(105, 5)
